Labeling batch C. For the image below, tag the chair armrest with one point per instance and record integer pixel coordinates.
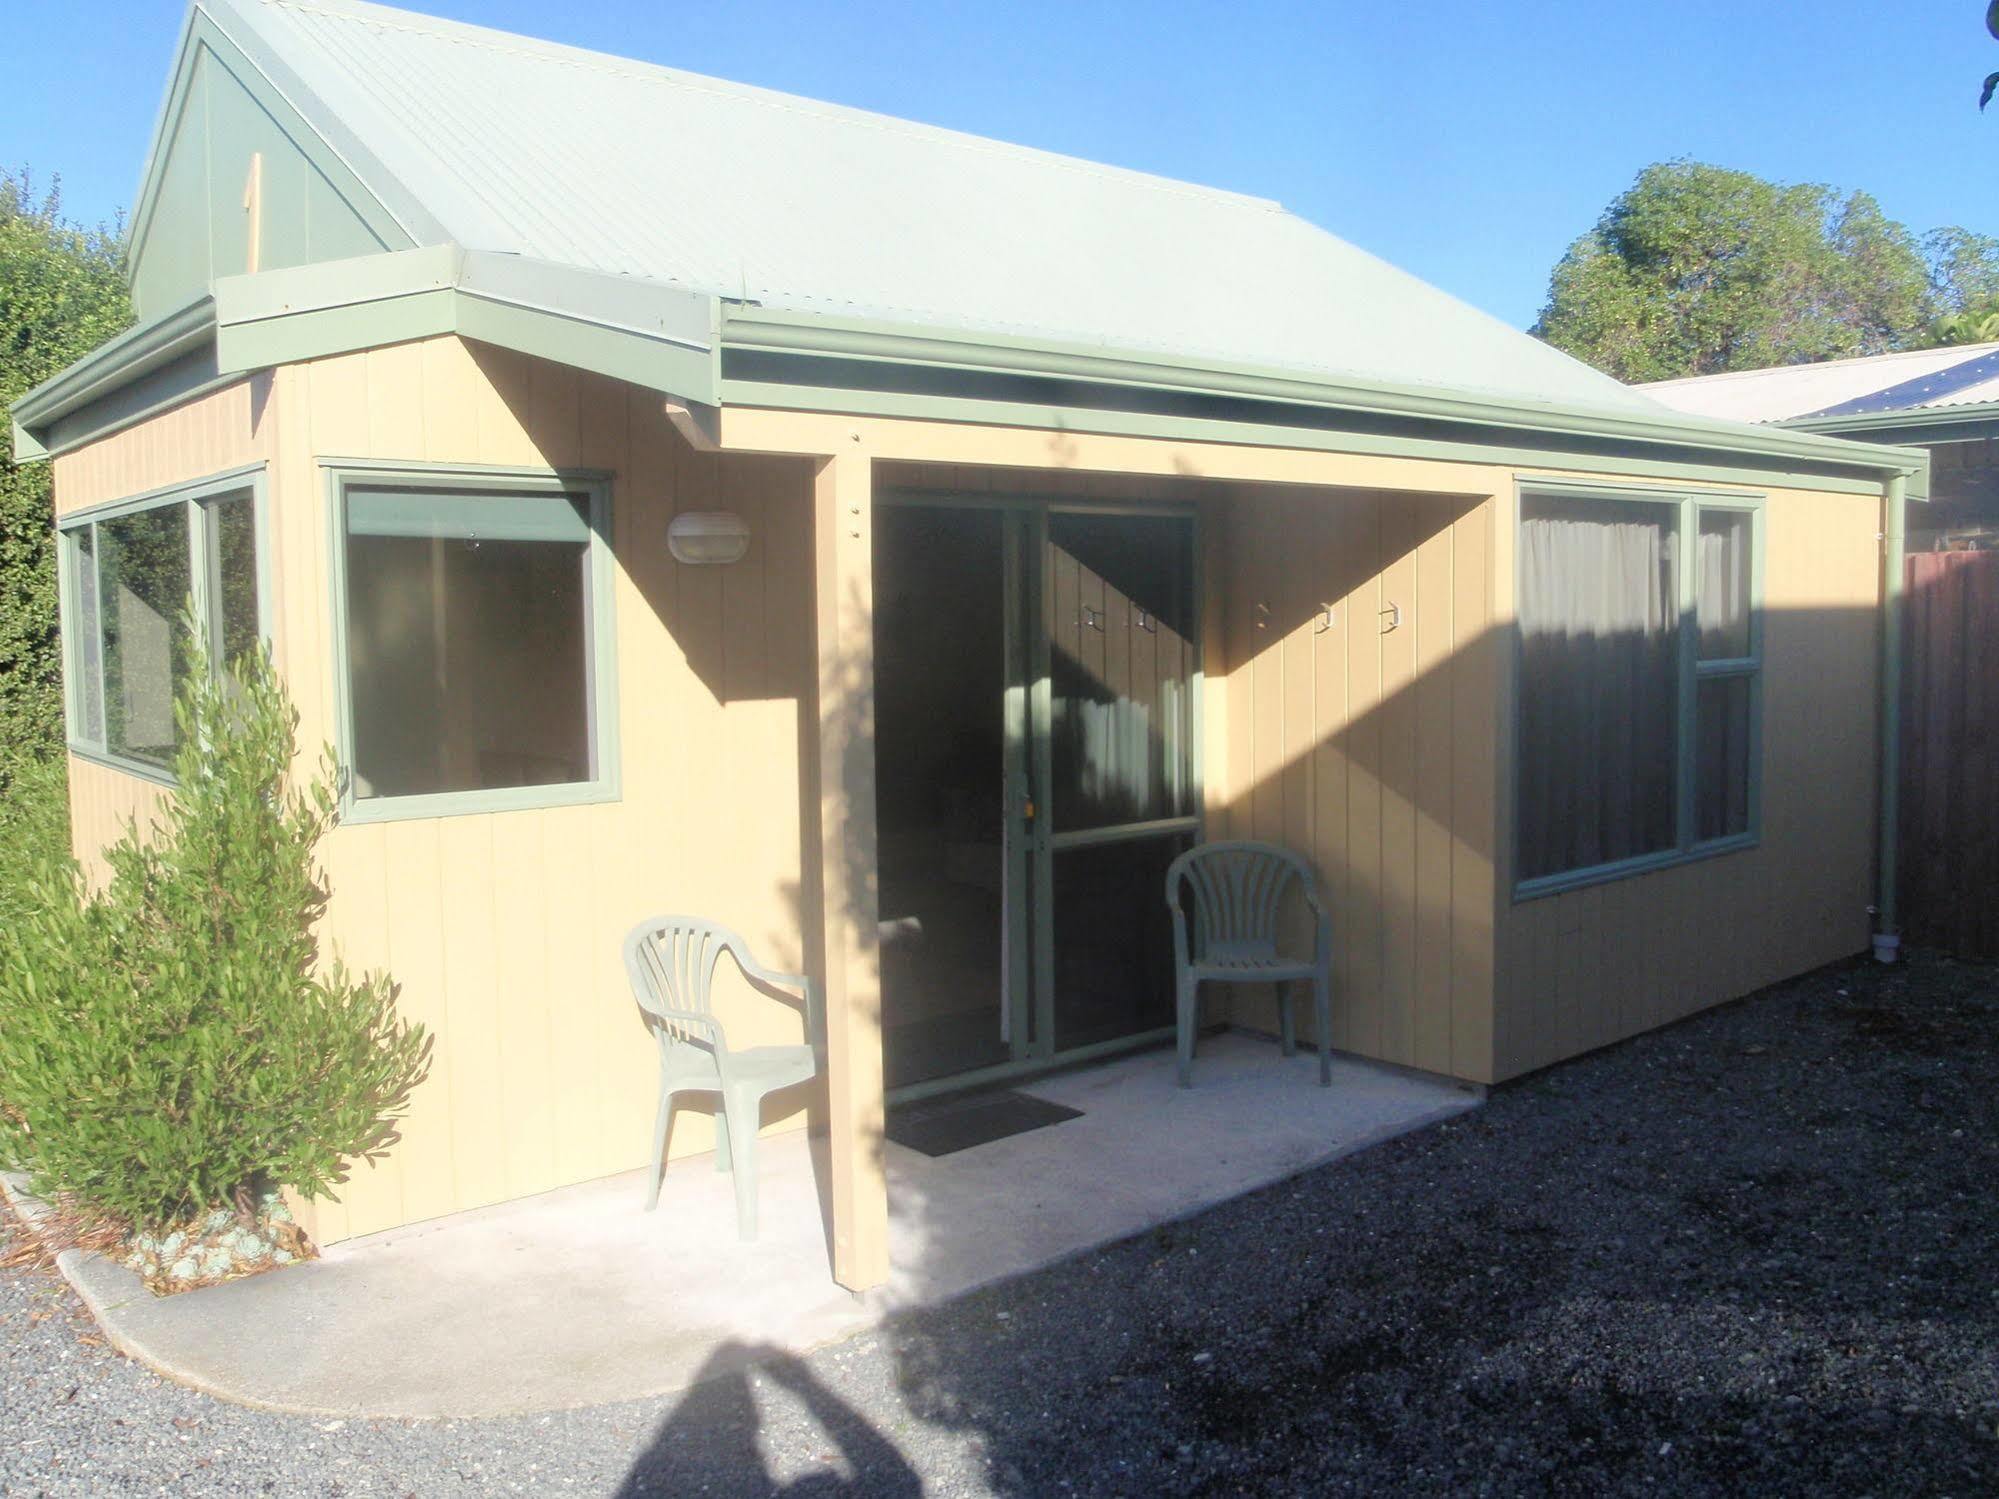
(1322, 923)
(808, 988)
(1182, 954)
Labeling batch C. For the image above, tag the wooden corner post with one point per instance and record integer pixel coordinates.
(843, 552)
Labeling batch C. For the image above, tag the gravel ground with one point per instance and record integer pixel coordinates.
(1754, 1253)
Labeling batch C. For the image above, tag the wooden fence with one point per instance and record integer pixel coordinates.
(1950, 753)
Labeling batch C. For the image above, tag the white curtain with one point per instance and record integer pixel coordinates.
(1721, 585)
(1599, 683)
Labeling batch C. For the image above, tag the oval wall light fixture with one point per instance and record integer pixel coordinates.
(706, 537)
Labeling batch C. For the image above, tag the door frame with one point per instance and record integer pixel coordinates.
(1027, 946)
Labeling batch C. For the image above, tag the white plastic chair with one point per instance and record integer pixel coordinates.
(672, 961)
(1239, 890)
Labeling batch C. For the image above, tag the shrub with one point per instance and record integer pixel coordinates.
(62, 293)
(34, 829)
(172, 1043)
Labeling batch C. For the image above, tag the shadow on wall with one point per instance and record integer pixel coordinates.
(1382, 759)
(716, 687)
(843, 710)
(1381, 747)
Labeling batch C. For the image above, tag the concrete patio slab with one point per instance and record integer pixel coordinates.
(578, 1297)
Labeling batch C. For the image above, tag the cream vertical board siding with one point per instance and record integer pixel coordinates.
(225, 429)
(1381, 752)
(504, 929)
(1371, 746)
(1588, 967)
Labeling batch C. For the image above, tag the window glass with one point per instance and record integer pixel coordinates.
(143, 580)
(1721, 758)
(232, 577)
(85, 657)
(468, 642)
(1599, 683)
(1120, 621)
(1113, 939)
(1721, 584)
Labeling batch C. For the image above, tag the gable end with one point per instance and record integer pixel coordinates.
(197, 208)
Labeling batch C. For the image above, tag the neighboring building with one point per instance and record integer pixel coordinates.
(1945, 400)
(1080, 514)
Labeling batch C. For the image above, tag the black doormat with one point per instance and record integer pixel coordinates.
(943, 1126)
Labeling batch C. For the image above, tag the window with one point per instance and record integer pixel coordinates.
(1639, 686)
(128, 570)
(475, 628)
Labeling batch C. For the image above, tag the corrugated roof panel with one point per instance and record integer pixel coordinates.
(1797, 390)
(1941, 387)
(576, 157)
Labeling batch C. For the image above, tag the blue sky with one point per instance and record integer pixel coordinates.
(1468, 143)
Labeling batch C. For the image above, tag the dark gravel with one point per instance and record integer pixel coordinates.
(1755, 1253)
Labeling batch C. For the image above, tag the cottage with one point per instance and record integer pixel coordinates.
(667, 495)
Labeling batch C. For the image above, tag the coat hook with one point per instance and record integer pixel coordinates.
(1393, 614)
(1262, 616)
(1325, 620)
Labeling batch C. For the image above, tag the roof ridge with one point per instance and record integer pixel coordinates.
(508, 43)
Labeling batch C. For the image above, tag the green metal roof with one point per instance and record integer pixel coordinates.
(507, 144)
(728, 245)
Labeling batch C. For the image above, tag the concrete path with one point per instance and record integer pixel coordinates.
(578, 1297)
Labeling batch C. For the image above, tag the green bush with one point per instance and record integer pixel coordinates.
(172, 1044)
(62, 293)
(34, 830)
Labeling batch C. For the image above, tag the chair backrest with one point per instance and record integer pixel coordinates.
(1238, 889)
(671, 961)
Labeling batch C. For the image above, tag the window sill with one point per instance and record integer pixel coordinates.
(137, 769)
(1604, 874)
(473, 803)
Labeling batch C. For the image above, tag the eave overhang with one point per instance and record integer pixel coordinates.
(772, 358)
(647, 333)
(141, 370)
(704, 353)
(1968, 421)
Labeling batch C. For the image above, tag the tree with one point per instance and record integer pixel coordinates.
(1696, 269)
(1964, 269)
(62, 293)
(1964, 285)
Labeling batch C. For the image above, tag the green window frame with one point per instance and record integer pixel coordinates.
(477, 502)
(206, 506)
(1698, 667)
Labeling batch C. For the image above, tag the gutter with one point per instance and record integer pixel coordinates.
(1887, 928)
(108, 368)
(1906, 416)
(808, 335)
(647, 333)
(665, 337)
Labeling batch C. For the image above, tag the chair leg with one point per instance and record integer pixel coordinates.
(662, 1122)
(723, 1154)
(1184, 1020)
(1322, 1015)
(743, 1160)
(1287, 1022)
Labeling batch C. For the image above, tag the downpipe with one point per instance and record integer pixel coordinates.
(1887, 922)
